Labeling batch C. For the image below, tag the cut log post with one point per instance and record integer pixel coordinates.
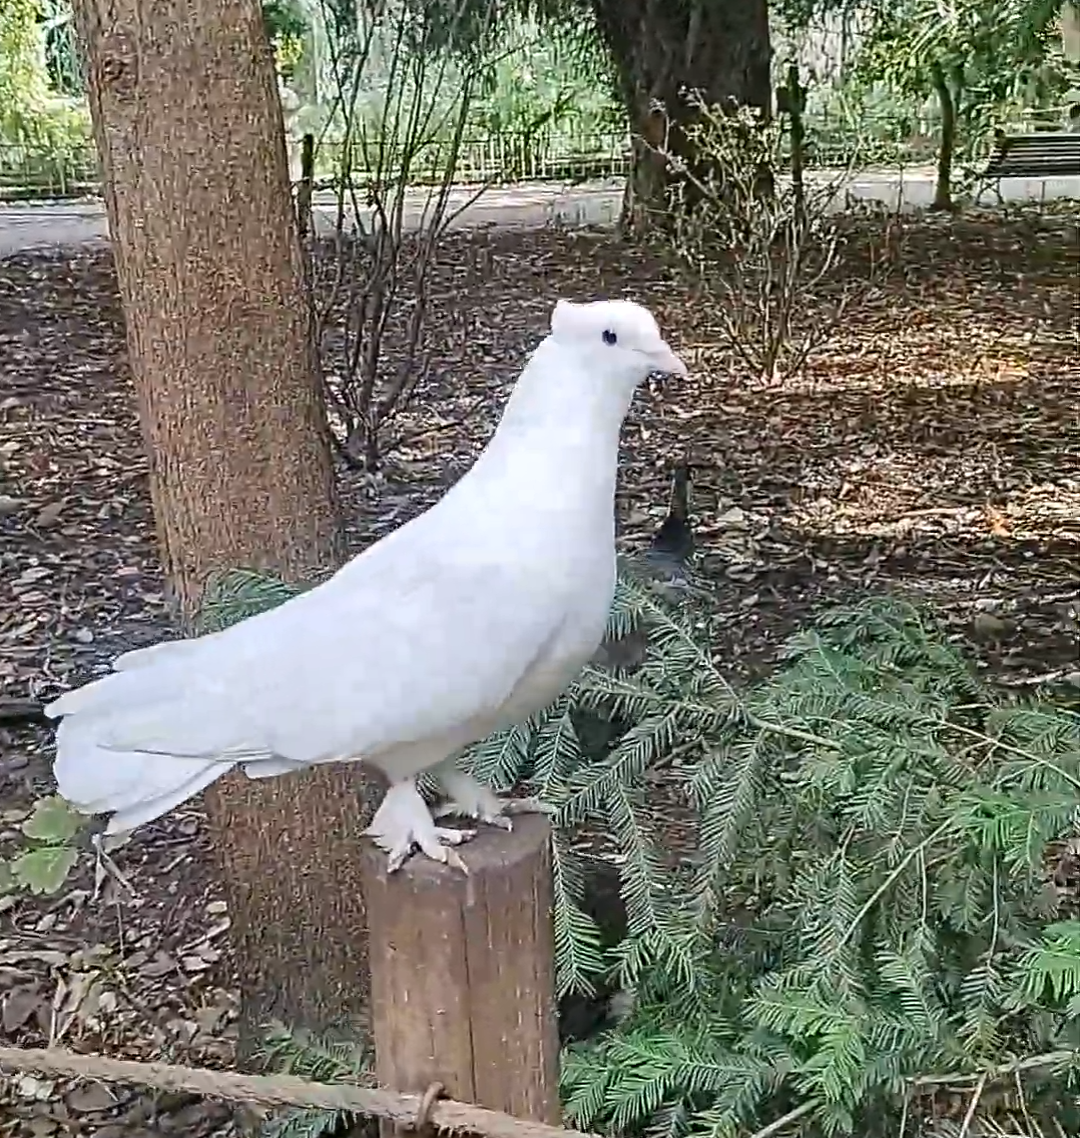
(463, 972)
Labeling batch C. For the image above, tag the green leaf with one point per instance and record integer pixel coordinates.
(8, 884)
(44, 870)
(52, 821)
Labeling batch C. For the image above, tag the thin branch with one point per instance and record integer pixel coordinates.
(21, 711)
(785, 1120)
(1004, 1071)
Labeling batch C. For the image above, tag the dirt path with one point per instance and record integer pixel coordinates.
(525, 205)
(67, 224)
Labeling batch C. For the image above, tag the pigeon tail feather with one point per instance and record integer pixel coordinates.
(168, 651)
(135, 786)
(112, 751)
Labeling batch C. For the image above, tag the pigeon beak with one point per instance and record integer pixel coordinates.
(666, 362)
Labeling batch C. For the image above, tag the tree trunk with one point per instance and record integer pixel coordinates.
(947, 145)
(662, 47)
(189, 128)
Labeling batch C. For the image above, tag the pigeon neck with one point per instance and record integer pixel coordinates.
(558, 394)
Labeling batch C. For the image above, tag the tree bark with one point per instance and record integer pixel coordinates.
(189, 128)
(659, 49)
(794, 97)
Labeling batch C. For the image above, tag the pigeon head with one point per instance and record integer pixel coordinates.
(580, 381)
(618, 338)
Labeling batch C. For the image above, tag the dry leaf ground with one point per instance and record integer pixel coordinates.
(932, 447)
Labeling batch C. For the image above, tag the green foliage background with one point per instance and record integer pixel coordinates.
(547, 66)
(865, 922)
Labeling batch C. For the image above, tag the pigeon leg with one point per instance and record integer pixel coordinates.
(404, 822)
(471, 799)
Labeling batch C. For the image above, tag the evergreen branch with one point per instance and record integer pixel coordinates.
(1017, 752)
(916, 851)
(871, 765)
(969, 1114)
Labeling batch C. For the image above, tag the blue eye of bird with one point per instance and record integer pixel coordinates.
(610, 337)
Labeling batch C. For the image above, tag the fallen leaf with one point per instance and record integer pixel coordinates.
(19, 1005)
(52, 820)
(44, 870)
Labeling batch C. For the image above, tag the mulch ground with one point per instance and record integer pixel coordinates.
(931, 446)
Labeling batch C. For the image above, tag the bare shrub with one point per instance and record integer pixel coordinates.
(402, 101)
(763, 249)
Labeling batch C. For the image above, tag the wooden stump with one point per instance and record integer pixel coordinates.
(463, 972)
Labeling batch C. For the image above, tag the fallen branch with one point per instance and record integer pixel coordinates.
(1036, 681)
(281, 1090)
(21, 711)
(412, 1111)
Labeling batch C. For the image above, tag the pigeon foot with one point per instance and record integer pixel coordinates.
(471, 799)
(403, 823)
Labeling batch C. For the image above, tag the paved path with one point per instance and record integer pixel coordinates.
(57, 224)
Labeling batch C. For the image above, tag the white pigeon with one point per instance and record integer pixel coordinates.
(468, 619)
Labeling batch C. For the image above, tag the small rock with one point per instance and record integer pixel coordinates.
(988, 627)
(29, 1086)
(93, 1098)
(735, 518)
(41, 1127)
(19, 1006)
(49, 515)
(161, 965)
(34, 573)
(9, 505)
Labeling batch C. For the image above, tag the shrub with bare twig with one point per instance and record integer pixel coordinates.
(762, 248)
(395, 161)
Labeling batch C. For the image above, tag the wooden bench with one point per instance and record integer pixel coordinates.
(1040, 155)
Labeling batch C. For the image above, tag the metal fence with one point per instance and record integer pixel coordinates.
(31, 173)
(564, 155)
(28, 174)
(500, 158)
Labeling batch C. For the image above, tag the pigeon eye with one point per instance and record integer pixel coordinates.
(610, 337)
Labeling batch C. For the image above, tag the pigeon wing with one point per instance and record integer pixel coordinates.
(345, 671)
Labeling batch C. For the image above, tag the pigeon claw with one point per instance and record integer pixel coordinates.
(494, 811)
(403, 824)
(440, 849)
(469, 798)
(499, 820)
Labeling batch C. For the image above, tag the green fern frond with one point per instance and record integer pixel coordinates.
(579, 956)
(238, 594)
(289, 1052)
(1048, 974)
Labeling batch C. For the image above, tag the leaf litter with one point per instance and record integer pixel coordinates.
(932, 447)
